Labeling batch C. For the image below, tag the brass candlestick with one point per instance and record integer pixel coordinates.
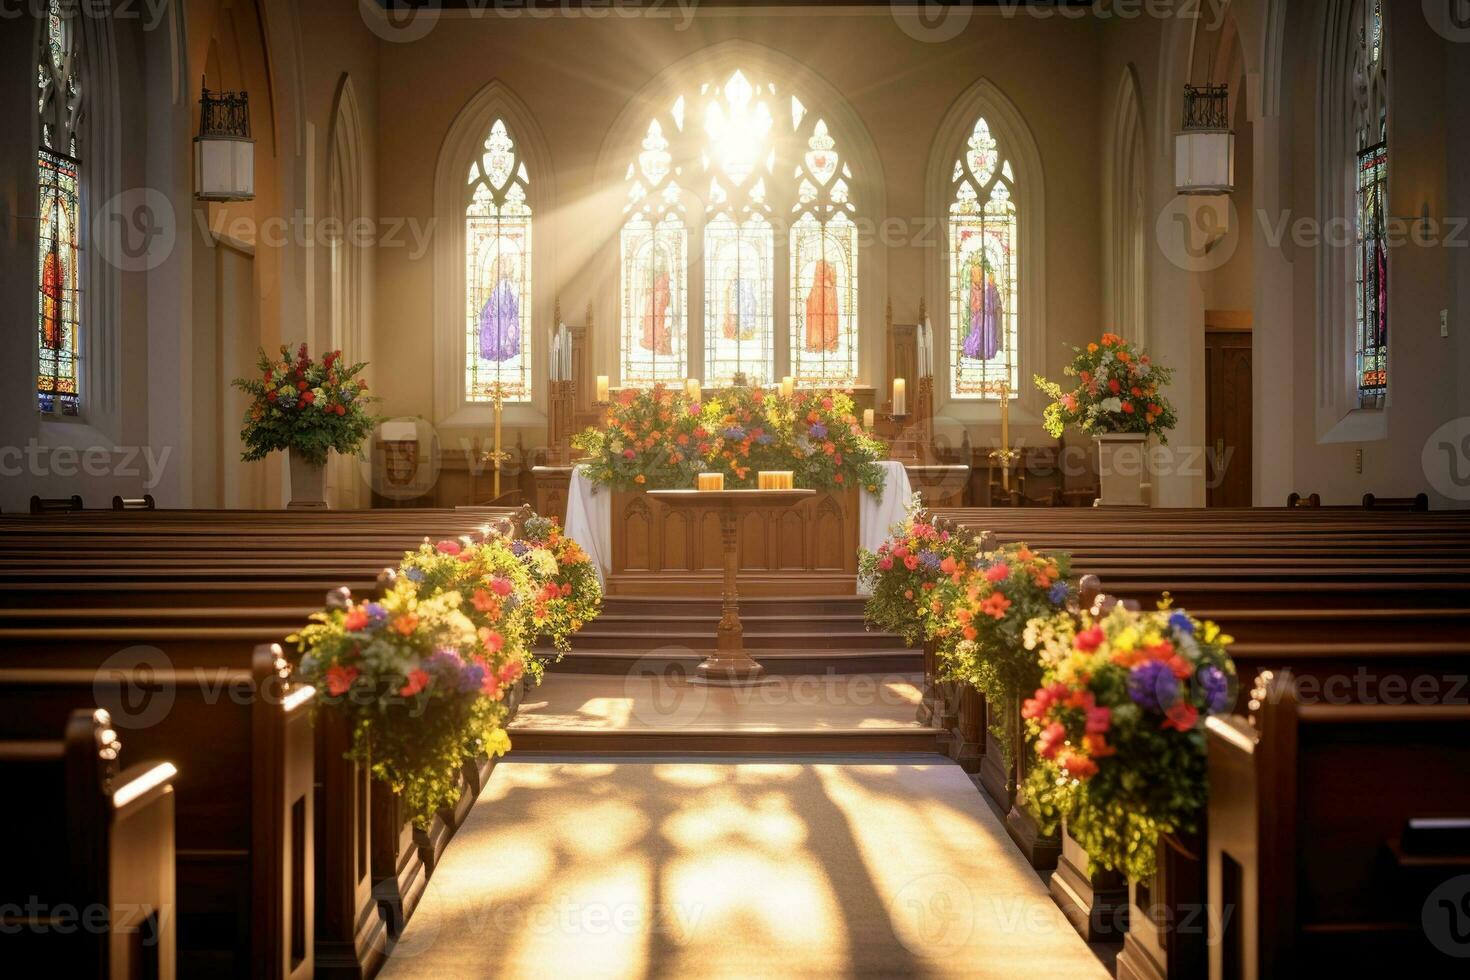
(498, 455)
(1005, 455)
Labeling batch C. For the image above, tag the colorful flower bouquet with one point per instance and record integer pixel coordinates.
(1117, 721)
(421, 686)
(1117, 391)
(659, 439)
(492, 584)
(566, 593)
(302, 405)
(979, 616)
(901, 575)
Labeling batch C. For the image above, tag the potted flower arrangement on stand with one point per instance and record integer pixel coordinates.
(309, 409)
(905, 570)
(1116, 400)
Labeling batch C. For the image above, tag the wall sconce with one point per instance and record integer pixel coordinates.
(1204, 150)
(224, 153)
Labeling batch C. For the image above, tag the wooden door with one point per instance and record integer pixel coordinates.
(1229, 455)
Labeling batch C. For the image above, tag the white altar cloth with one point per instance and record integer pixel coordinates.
(589, 514)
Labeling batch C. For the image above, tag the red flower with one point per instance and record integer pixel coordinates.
(1181, 715)
(911, 563)
(355, 619)
(885, 563)
(1097, 746)
(1077, 766)
(948, 566)
(1099, 720)
(301, 386)
(406, 623)
(1128, 408)
(1089, 639)
(995, 605)
(340, 678)
(493, 641)
(997, 573)
(417, 681)
(1049, 742)
(486, 603)
(501, 586)
(448, 547)
(1114, 387)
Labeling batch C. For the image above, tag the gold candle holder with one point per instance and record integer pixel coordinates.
(775, 480)
(709, 481)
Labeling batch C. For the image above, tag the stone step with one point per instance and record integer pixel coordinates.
(729, 741)
(805, 660)
(656, 622)
(749, 606)
(592, 638)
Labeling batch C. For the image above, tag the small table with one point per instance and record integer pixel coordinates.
(730, 664)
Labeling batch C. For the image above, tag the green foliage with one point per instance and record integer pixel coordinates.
(313, 408)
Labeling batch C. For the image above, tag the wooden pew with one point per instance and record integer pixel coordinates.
(89, 874)
(1313, 842)
(242, 739)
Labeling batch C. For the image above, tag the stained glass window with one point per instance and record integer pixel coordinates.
(733, 142)
(655, 246)
(824, 335)
(982, 270)
(58, 252)
(498, 273)
(1370, 85)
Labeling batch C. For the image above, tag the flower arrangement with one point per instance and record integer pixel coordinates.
(1117, 391)
(565, 593)
(979, 614)
(493, 586)
(901, 575)
(659, 439)
(1117, 720)
(307, 406)
(422, 687)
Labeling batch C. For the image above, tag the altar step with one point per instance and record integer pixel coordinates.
(841, 605)
(851, 715)
(664, 653)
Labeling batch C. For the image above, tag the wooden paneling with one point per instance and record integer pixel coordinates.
(808, 549)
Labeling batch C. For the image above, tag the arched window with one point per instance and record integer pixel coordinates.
(824, 336)
(59, 176)
(983, 290)
(755, 153)
(1370, 188)
(498, 273)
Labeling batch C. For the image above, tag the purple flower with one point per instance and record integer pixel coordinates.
(734, 432)
(377, 615)
(1152, 685)
(765, 439)
(472, 677)
(414, 575)
(818, 431)
(1216, 687)
(930, 560)
(519, 548)
(1057, 593)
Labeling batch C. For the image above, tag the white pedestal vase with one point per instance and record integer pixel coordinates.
(308, 483)
(1121, 469)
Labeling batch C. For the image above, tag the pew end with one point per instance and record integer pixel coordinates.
(144, 502)
(51, 505)
(111, 909)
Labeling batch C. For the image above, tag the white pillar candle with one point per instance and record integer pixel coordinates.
(900, 396)
(868, 419)
(602, 387)
(691, 388)
(788, 386)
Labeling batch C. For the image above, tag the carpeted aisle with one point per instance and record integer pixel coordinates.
(869, 867)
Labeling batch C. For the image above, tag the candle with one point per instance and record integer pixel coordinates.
(788, 386)
(868, 419)
(709, 481)
(602, 387)
(775, 479)
(691, 388)
(900, 397)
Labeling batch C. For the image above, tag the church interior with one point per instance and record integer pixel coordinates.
(735, 488)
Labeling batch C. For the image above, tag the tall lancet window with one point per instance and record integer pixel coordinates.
(498, 273)
(58, 258)
(655, 246)
(739, 158)
(824, 336)
(982, 270)
(1370, 186)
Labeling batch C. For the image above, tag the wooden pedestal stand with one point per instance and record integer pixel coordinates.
(730, 663)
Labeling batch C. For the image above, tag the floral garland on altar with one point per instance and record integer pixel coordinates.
(656, 439)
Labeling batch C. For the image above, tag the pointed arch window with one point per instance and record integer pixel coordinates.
(1370, 191)
(58, 246)
(751, 152)
(824, 335)
(983, 289)
(499, 332)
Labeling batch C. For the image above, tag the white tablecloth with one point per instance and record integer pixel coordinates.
(589, 513)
